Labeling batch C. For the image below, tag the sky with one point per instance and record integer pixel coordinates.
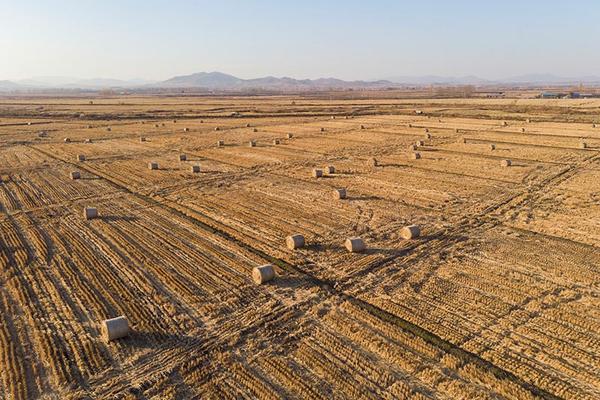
(374, 39)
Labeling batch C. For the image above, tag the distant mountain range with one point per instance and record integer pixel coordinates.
(219, 81)
(201, 80)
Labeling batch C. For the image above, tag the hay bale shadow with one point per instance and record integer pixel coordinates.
(116, 218)
(363, 198)
(381, 250)
(314, 247)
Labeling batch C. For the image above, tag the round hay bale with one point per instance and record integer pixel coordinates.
(75, 175)
(90, 127)
(152, 165)
(522, 130)
(505, 163)
(428, 136)
(426, 130)
(115, 328)
(415, 155)
(290, 135)
(263, 274)
(492, 146)
(252, 143)
(294, 241)
(108, 129)
(372, 162)
(355, 245)
(456, 130)
(594, 126)
(275, 141)
(330, 169)
(462, 140)
(220, 143)
(317, 173)
(504, 123)
(412, 147)
(247, 125)
(174, 121)
(67, 140)
(156, 125)
(195, 169)
(90, 212)
(409, 125)
(410, 232)
(186, 129)
(87, 141)
(582, 145)
(217, 128)
(419, 143)
(362, 127)
(322, 129)
(182, 157)
(142, 139)
(80, 157)
(528, 120)
(255, 130)
(163, 124)
(339, 194)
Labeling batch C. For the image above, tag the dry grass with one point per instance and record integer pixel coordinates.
(497, 298)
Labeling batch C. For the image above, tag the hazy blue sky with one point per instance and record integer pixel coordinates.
(369, 39)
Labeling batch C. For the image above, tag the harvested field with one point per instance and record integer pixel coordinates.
(497, 298)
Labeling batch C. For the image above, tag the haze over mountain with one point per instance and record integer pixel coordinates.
(221, 81)
(531, 79)
(436, 79)
(552, 79)
(70, 82)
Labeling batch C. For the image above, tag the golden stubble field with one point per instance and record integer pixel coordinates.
(497, 298)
